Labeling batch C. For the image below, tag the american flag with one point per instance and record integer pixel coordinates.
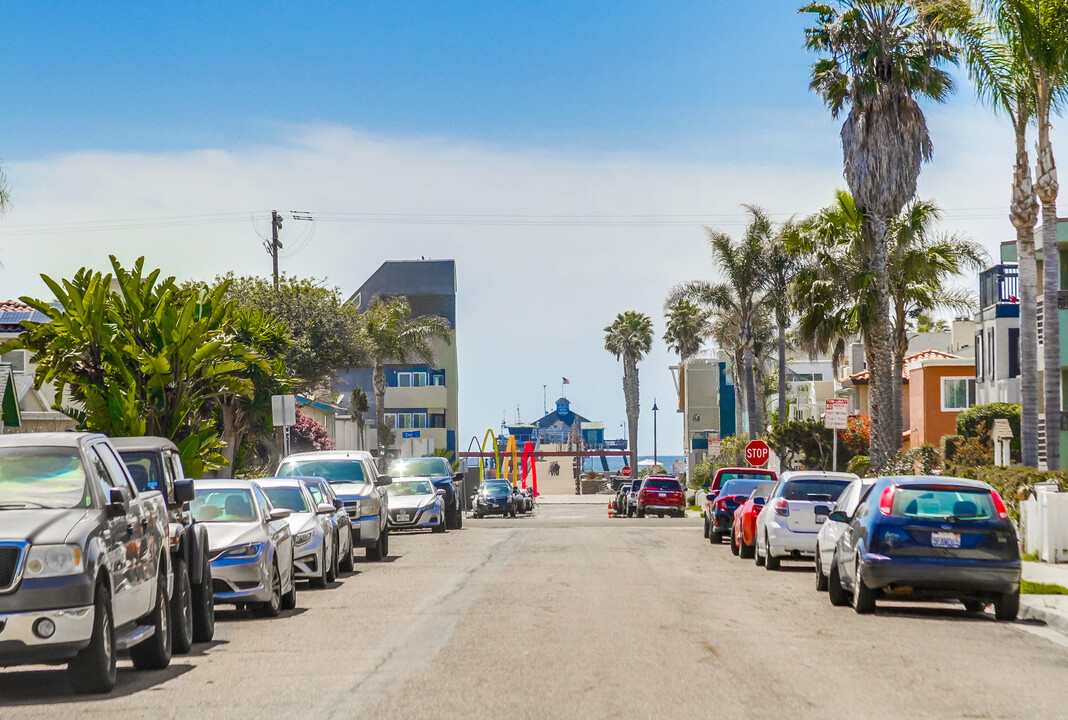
(566, 381)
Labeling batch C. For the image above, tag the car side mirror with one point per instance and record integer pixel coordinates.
(116, 503)
(439, 491)
(758, 501)
(838, 516)
(710, 497)
(183, 491)
(325, 509)
(279, 514)
(383, 480)
(338, 504)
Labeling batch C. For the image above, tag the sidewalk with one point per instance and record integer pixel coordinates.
(599, 499)
(1050, 609)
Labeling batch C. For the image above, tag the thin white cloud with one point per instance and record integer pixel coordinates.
(533, 298)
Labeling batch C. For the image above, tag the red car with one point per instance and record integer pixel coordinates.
(722, 476)
(743, 531)
(661, 496)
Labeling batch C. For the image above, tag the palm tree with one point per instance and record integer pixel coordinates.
(629, 338)
(360, 406)
(781, 264)
(395, 336)
(688, 326)
(741, 295)
(927, 324)
(883, 55)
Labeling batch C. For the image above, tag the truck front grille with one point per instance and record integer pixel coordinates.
(9, 565)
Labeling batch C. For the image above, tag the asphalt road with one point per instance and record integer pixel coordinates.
(572, 614)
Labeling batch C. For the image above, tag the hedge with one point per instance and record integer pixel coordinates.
(1011, 482)
(971, 421)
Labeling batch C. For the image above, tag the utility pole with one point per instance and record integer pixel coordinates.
(276, 225)
(656, 459)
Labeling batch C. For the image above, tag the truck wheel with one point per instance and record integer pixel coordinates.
(272, 607)
(347, 563)
(182, 609)
(93, 669)
(155, 653)
(204, 607)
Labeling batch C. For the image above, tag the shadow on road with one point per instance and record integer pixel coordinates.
(49, 687)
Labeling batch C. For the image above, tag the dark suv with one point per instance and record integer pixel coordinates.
(928, 538)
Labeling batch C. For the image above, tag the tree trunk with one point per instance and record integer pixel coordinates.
(1023, 214)
(782, 372)
(750, 395)
(901, 348)
(630, 395)
(739, 390)
(1046, 185)
(232, 435)
(385, 436)
(880, 355)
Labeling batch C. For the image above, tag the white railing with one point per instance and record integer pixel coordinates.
(1044, 525)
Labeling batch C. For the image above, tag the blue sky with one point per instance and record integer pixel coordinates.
(678, 109)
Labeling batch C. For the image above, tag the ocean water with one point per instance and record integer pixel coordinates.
(615, 464)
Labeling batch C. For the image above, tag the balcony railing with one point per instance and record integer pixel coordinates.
(999, 285)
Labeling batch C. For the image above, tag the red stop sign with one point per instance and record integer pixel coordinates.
(757, 453)
(626, 471)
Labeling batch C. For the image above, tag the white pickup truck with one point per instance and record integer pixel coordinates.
(84, 563)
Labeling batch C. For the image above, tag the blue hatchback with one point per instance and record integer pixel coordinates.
(928, 539)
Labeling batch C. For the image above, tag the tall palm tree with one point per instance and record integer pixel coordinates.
(1001, 80)
(883, 54)
(360, 406)
(744, 268)
(688, 326)
(395, 336)
(726, 334)
(629, 338)
(781, 264)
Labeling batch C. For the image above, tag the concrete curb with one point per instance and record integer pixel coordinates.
(1033, 607)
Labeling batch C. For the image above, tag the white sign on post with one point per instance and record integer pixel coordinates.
(283, 410)
(836, 413)
(715, 446)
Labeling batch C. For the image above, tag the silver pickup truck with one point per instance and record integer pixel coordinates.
(84, 563)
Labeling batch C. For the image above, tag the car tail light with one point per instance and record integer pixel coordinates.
(781, 507)
(999, 505)
(886, 501)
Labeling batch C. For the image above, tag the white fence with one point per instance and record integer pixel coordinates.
(1044, 525)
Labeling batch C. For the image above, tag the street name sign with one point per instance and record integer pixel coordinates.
(836, 413)
(757, 453)
(410, 434)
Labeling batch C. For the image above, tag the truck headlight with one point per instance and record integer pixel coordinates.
(54, 560)
(368, 507)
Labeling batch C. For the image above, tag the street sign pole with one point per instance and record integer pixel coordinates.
(835, 417)
(834, 456)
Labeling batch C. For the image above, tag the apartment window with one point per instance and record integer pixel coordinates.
(437, 420)
(419, 420)
(980, 369)
(990, 352)
(404, 379)
(404, 420)
(957, 393)
(438, 380)
(1014, 352)
(418, 379)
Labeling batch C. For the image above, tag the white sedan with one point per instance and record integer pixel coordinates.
(416, 503)
(795, 510)
(827, 537)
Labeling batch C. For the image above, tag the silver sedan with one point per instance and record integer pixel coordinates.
(313, 531)
(416, 503)
(250, 545)
(323, 493)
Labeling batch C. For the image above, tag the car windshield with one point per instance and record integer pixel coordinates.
(662, 485)
(339, 470)
(744, 475)
(740, 487)
(410, 487)
(143, 467)
(226, 505)
(941, 503)
(290, 498)
(42, 478)
(419, 467)
(495, 487)
(814, 489)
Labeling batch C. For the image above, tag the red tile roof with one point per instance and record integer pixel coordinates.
(14, 306)
(864, 376)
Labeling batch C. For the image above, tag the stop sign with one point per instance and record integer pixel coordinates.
(757, 453)
(626, 471)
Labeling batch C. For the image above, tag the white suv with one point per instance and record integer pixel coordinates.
(795, 510)
(354, 476)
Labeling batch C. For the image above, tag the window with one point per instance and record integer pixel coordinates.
(957, 393)
(262, 501)
(990, 353)
(404, 379)
(419, 379)
(437, 421)
(419, 420)
(438, 380)
(1014, 352)
(116, 469)
(980, 369)
(404, 420)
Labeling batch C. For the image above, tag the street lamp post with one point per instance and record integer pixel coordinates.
(655, 458)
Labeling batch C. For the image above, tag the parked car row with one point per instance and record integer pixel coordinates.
(106, 548)
(499, 497)
(658, 495)
(916, 538)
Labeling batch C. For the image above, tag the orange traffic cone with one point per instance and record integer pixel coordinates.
(611, 510)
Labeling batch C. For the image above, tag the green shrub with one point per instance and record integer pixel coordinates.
(1012, 483)
(949, 446)
(971, 423)
(976, 451)
(917, 461)
(860, 465)
(807, 444)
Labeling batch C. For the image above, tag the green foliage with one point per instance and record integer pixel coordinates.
(732, 454)
(1027, 587)
(916, 461)
(949, 446)
(653, 470)
(972, 423)
(807, 444)
(860, 465)
(447, 454)
(148, 359)
(1012, 483)
(976, 451)
(325, 332)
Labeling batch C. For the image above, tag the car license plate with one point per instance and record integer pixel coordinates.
(402, 517)
(661, 494)
(945, 540)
